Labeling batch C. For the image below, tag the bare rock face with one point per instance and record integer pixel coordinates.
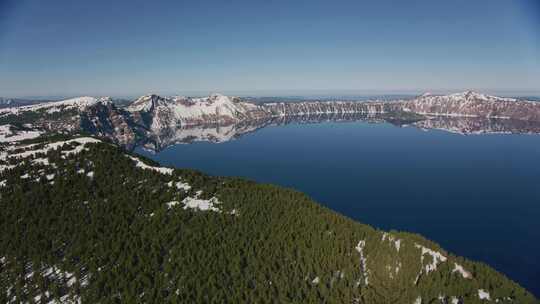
(317, 108)
(471, 104)
(107, 121)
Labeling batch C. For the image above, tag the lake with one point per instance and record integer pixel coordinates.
(477, 196)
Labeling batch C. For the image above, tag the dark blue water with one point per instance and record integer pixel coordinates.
(477, 196)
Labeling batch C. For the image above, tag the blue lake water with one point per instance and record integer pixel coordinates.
(477, 196)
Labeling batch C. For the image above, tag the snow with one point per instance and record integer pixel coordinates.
(483, 295)
(392, 239)
(63, 278)
(79, 103)
(363, 261)
(6, 167)
(201, 204)
(8, 135)
(464, 273)
(178, 110)
(140, 164)
(437, 258)
(41, 161)
(52, 146)
(180, 185)
(3, 183)
(172, 204)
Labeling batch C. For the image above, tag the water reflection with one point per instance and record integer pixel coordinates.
(157, 140)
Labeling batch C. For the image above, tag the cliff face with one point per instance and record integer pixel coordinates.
(471, 104)
(338, 107)
(158, 112)
(106, 120)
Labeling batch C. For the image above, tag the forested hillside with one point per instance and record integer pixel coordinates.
(83, 220)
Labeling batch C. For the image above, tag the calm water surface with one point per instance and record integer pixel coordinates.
(477, 196)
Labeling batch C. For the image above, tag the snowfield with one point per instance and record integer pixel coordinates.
(140, 164)
(79, 103)
(7, 135)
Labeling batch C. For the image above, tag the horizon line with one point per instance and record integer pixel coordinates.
(289, 93)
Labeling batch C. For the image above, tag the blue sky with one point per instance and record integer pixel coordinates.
(120, 48)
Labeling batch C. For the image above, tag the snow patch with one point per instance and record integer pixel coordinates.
(436, 259)
(392, 239)
(363, 262)
(8, 135)
(483, 295)
(179, 185)
(464, 273)
(171, 204)
(140, 164)
(79, 103)
(201, 204)
(82, 141)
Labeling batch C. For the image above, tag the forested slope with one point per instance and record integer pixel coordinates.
(82, 220)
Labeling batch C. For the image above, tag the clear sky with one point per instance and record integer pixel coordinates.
(131, 47)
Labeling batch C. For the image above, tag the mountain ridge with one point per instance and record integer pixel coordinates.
(153, 116)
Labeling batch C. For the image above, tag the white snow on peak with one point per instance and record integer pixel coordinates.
(79, 103)
(463, 96)
(178, 110)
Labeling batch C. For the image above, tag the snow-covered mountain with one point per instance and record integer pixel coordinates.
(78, 103)
(172, 119)
(472, 104)
(17, 102)
(165, 112)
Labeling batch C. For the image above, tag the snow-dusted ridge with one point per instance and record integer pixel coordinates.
(156, 119)
(78, 103)
(9, 135)
(32, 153)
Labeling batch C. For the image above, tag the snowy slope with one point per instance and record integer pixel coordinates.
(185, 111)
(79, 103)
